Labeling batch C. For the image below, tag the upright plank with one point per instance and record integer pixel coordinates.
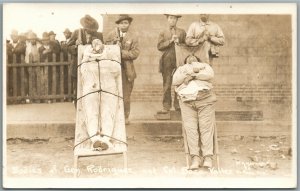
(61, 77)
(54, 77)
(46, 77)
(70, 92)
(15, 84)
(39, 80)
(30, 79)
(111, 114)
(23, 81)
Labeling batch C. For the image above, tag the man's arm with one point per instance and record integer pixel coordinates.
(163, 43)
(206, 73)
(191, 37)
(73, 38)
(133, 52)
(219, 39)
(181, 74)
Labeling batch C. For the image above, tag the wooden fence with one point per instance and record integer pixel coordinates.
(41, 81)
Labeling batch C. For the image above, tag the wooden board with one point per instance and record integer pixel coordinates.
(111, 110)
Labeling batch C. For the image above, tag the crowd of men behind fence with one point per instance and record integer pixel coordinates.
(28, 48)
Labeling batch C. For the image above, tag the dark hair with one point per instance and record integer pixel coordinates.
(185, 60)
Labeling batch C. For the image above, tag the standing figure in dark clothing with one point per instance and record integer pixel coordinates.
(166, 44)
(128, 43)
(82, 36)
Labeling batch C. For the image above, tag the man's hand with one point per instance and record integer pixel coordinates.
(78, 42)
(174, 38)
(188, 79)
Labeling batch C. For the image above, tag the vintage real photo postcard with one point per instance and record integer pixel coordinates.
(124, 95)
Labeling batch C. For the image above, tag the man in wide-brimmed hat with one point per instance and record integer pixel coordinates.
(128, 42)
(167, 39)
(82, 36)
(31, 47)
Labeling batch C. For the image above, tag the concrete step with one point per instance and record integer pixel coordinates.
(148, 128)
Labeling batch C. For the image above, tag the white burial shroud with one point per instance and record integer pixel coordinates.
(100, 111)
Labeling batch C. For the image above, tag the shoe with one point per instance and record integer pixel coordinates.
(195, 163)
(177, 109)
(127, 122)
(99, 145)
(163, 111)
(208, 162)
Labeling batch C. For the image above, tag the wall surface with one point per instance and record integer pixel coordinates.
(254, 65)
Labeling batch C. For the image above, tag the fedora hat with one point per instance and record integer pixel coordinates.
(89, 23)
(51, 33)
(123, 17)
(31, 36)
(67, 31)
(178, 16)
(45, 36)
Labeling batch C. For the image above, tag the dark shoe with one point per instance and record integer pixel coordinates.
(208, 162)
(177, 109)
(195, 163)
(100, 145)
(163, 111)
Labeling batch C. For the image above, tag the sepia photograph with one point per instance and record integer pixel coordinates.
(149, 95)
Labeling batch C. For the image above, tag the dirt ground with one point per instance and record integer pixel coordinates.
(150, 156)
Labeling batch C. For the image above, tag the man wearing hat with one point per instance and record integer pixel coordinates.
(31, 47)
(208, 36)
(128, 43)
(63, 44)
(45, 49)
(55, 45)
(166, 45)
(17, 47)
(82, 36)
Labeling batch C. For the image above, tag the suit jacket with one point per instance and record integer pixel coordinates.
(168, 58)
(79, 34)
(18, 51)
(129, 50)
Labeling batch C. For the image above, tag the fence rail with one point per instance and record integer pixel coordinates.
(39, 81)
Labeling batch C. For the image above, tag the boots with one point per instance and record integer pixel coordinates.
(196, 162)
(208, 162)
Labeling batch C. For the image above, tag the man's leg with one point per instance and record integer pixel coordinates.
(127, 87)
(190, 124)
(167, 83)
(176, 102)
(207, 123)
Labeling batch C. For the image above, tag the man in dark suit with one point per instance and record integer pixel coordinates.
(166, 44)
(82, 36)
(128, 43)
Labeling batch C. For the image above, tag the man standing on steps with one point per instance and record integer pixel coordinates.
(166, 44)
(208, 36)
(128, 43)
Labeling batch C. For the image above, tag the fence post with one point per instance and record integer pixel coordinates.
(54, 76)
(31, 88)
(15, 85)
(61, 77)
(23, 79)
(39, 83)
(70, 92)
